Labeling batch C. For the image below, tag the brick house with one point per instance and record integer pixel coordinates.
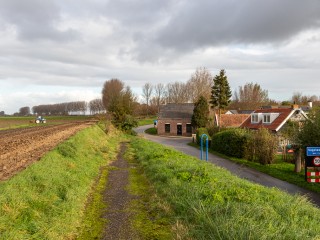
(175, 119)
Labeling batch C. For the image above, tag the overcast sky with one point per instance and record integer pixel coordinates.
(64, 50)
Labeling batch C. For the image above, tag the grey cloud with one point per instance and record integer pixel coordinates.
(34, 20)
(205, 23)
(137, 13)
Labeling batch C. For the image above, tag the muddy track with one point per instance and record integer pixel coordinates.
(21, 147)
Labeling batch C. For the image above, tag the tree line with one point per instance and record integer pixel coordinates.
(247, 97)
(78, 107)
(250, 96)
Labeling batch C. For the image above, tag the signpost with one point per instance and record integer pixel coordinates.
(312, 161)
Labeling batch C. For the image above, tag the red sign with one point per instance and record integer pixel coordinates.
(316, 161)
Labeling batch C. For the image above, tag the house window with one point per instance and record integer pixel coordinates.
(167, 127)
(254, 118)
(266, 118)
(189, 128)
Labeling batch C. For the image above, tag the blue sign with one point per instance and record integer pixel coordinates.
(313, 151)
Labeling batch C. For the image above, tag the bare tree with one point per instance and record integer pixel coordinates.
(251, 96)
(129, 100)
(24, 111)
(299, 98)
(147, 92)
(96, 106)
(177, 92)
(160, 92)
(200, 84)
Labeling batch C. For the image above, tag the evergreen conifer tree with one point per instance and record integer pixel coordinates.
(200, 113)
(220, 93)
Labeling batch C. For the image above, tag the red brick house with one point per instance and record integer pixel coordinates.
(175, 119)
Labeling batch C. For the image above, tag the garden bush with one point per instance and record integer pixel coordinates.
(262, 146)
(231, 142)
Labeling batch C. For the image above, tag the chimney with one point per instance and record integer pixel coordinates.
(295, 106)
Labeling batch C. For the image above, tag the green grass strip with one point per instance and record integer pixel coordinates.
(280, 169)
(151, 218)
(146, 121)
(47, 200)
(152, 131)
(211, 203)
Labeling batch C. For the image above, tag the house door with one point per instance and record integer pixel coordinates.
(179, 129)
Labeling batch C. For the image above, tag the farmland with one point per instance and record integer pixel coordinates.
(19, 147)
(23, 122)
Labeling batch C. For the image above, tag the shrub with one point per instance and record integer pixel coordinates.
(231, 142)
(125, 123)
(152, 131)
(199, 133)
(262, 145)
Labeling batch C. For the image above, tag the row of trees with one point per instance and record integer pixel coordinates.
(199, 84)
(247, 97)
(67, 108)
(120, 103)
(250, 96)
(61, 108)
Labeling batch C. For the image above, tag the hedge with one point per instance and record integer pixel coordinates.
(231, 142)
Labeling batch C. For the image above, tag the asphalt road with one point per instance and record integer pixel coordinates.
(180, 144)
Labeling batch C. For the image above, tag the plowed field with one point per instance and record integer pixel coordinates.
(21, 147)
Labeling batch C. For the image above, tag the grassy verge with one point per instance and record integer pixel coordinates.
(47, 200)
(151, 215)
(211, 203)
(279, 169)
(93, 223)
(152, 131)
(146, 121)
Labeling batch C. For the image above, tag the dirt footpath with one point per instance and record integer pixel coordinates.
(21, 147)
(117, 198)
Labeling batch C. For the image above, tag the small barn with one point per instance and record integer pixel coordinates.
(175, 119)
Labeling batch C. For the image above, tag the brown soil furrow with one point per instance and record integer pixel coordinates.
(26, 137)
(22, 148)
